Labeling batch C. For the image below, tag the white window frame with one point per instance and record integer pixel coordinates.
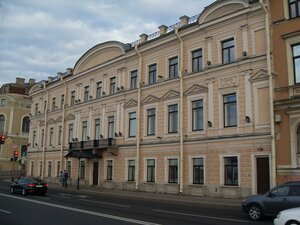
(167, 73)
(146, 78)
(191, 169)
(128, 111)
(220, 53)
(127, 169)
(222, 170)
(146, 108)
(190, 58)
(145, 170)
(167, 169)
(166, 113)
(190, 100)
(105, 169)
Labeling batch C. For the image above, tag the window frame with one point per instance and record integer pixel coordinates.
(150, 177)
(86, 93)
(51, 136)
(173, 67)
(132, 123)
(109, 169)
(133, 79)
(170, 119)
(193, 115)
(234, 168)
(198, 59)
(110, 126)
(202, 172)
(152, 73)
(297, 8)
(97, 129)
(72, 98)
(131, 163)
(150, 118)
(99, 89)
(225, 105)
(84, 133)
(228, 50)
(112, 85)
(294, 58)
(173, 171)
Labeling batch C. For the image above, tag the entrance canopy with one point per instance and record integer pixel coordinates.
(86, 154)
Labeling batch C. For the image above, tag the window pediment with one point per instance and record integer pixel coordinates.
(150, 99)
(59, 119)
(170, 95)
(131, 103)
(195, 89)
(51, 121)
(70, 117)
(259, 76)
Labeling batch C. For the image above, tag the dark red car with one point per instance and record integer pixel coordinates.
(29, 185)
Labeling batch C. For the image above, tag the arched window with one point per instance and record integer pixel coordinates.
(25, 124)
(2, 123)
(298, 139)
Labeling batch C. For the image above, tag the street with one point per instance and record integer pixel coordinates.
(63, 207)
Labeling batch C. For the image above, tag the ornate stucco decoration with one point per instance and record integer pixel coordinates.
(70, 117)
(51, 121)
(170, 95)
(42, 123)
(131, 103)
(229, 81)
(259, 76)
(59, 119)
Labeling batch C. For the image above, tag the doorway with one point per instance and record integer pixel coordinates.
(95, 173)
(262, 175)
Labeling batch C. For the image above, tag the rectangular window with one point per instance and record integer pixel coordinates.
(173, 67)
(112, 86)
(53, 104)
(59, 135)
(150, 170)
(31, 168)
(72, 102)
(86, 93)
(296, 62)
(71, 132)
(99, 89)
(197, 115)
(36, 108)
(294, 8)
(62, 101)
(173, 170)
(198, 171)
(231, 171)
(51, 133)
(58, 168)
(49, 168)
(111, 126)
(228, 54)
(152, 74)
(151, 117)
(84, 131)
(41, 169)
(82, 169)
(97, 129)
(45, 106)
(230, 110)
(132, 124)
(197, 60)
(33, 138)
(133, 79)
(69, 168)
(109, 169)
(42, 137)
(173, 119)
(3, 102)
(131, 170)
(2, 124)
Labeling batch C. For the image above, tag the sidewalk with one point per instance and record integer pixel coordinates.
(174, 198)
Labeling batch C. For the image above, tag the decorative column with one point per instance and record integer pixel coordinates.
(244, 29)
(209, 51)
(210, 116)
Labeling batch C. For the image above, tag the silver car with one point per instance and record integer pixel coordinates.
(282, 197)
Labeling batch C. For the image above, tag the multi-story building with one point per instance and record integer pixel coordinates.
(183, 110)
(285, 18)
(15, 107)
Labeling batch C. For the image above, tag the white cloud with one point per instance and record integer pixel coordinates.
(39, 38)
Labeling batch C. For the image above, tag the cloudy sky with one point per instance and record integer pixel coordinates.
(39, 38)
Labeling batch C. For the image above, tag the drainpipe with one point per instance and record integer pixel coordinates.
(63, 124)
(45, 132)
(137, 181)
(180, 112)
(268, 43)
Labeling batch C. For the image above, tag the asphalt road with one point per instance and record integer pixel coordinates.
(60, 207)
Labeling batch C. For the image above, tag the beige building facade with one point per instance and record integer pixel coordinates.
(15, 107)
(183, 110)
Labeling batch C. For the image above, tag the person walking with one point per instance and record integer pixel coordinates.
(61, 178)
(65, 179)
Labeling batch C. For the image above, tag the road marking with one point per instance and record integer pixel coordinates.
(82, 211)
(105, 203)
(39, 197)
(201, 216)
(4, 211)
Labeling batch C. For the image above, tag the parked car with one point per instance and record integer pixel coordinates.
(282, 197)
(29, 185)
(288, 217)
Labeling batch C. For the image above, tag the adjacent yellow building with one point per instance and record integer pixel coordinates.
(183, 110)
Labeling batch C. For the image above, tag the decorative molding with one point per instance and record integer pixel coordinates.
(111, 108)
(42, 123)
(244, 27)
(131, 103)
(150, 99)
(195, 89)
(70, 117)
(170, 95)
(51, 121)
(229, 81)
(259, 76)
(59, 119)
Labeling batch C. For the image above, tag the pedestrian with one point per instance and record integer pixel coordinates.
(65, 179)
(61, 178)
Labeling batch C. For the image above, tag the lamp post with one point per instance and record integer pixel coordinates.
(78, 173)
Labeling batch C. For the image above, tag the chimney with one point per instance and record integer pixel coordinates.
(31, 81)
(143, 37)
(184, 20)
(69, 71)
(162, 29)
(20, 80)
